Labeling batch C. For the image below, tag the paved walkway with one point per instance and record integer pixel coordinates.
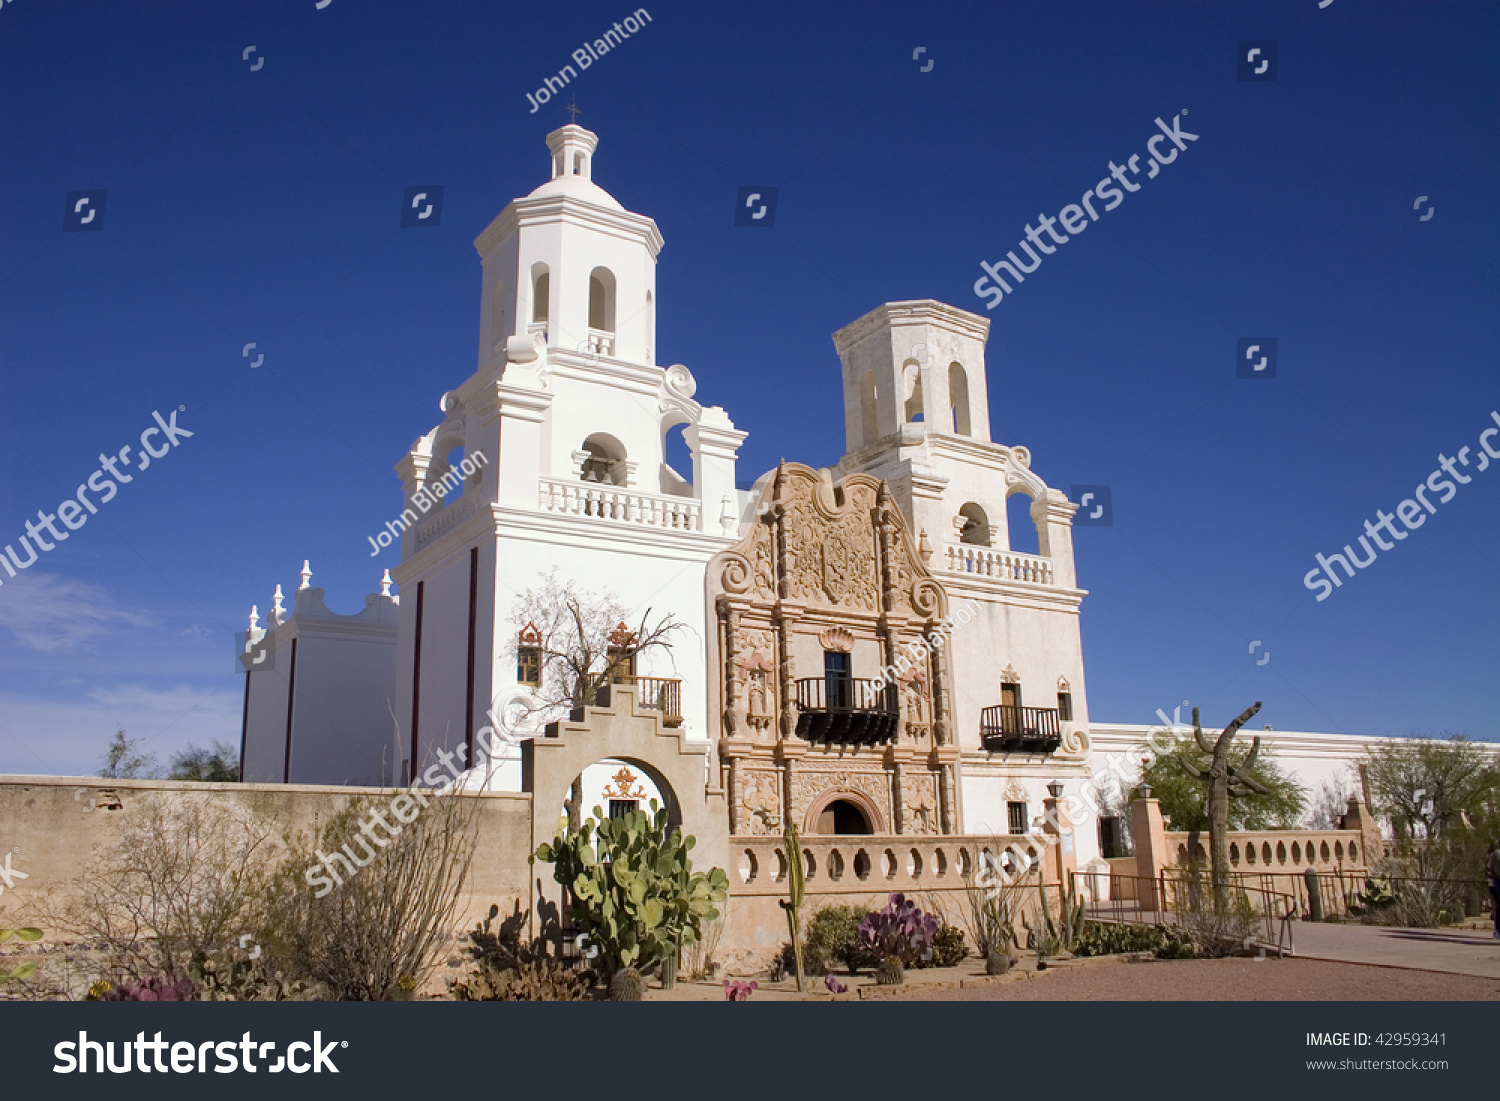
(1456, 951)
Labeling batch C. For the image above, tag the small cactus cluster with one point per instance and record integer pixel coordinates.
(739, 991)
(1064, 934)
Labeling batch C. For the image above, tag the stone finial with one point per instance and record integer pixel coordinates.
(924, 548)
(385, 584)
(254, 618)
(278, 613)
(306, 576)
(726, 517)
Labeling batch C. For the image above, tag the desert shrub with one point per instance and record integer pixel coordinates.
(948, 947)
(1108, 939)
(187, 877)
(833, 940)
(373, 932)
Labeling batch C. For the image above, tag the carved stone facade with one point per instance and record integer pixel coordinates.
(813, 606)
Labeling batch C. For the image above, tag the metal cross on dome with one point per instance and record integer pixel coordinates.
(573, 112)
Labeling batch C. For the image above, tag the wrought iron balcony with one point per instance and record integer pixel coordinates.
(846, 711)
(1007, 729)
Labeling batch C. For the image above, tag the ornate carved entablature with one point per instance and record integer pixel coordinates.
(1008, 675)
(832, 566)
(1062, 685)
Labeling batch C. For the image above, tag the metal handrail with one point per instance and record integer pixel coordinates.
(1161, 901)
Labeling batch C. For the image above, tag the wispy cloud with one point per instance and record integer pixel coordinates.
(51, 613)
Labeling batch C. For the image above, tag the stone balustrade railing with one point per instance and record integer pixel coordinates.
(861, 864)
(1285, 851)
(435, 527)
(574, 498)
(988, 562)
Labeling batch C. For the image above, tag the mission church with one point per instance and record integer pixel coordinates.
(801, 593)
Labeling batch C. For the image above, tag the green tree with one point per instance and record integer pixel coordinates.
(1434, 782)
(125, 760)
(220, 764)
(1175, 782)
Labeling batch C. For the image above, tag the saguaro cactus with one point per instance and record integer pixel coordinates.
(796, 881)
(1225, 782)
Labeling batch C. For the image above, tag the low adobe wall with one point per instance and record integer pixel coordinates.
(53, 826)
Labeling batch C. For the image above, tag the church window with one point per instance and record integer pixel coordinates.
(604, 460)
(912, 380)
(976, 526)
(602, 300)
(529, 656)
(619, 808)
(1024, 538)
(958, 396)
(1065, 707)
(540, 306)
(1019, 816)
(837, 681)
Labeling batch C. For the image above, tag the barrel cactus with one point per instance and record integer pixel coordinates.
(627, 985)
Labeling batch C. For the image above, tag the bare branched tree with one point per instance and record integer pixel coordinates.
(581, 640)
(1330, 802)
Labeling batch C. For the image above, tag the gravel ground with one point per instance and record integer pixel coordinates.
(1242, 980)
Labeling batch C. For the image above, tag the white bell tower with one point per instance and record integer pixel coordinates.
(569, 265)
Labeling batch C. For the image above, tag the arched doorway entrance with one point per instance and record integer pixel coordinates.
(842, 817)
(842, 813)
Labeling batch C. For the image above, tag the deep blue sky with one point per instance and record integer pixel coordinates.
(262, 206)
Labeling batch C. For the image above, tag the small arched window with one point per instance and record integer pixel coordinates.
(541, 294)
(958, 396)
(602, 300)
(976, 526)
(1024, 536)
(578, 164)
(604, 460)
(911, 377)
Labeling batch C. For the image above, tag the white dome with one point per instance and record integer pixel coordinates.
(578, 188)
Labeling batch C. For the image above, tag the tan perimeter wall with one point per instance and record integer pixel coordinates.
(59, 823)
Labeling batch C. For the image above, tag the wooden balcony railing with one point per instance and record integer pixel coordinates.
(1007, 729)
(662, 694)
(846, 711)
